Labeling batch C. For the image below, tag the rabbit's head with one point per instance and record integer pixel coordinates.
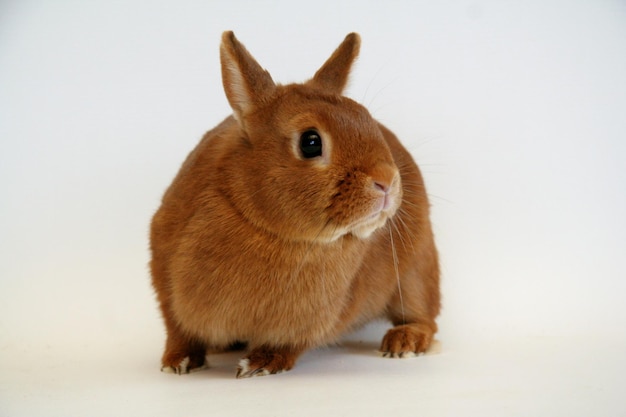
(310, 164)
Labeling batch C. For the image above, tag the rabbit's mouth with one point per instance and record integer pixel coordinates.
(361, 228)
(364, 229)
(382, 205)
(383, 209)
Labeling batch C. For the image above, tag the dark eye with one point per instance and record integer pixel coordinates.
(311, 144)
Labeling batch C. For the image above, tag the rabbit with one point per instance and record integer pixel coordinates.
(297, 219)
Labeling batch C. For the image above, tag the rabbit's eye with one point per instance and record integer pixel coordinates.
(311, 144)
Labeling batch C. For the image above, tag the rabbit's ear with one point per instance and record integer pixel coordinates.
(246, 84)
(333, 75)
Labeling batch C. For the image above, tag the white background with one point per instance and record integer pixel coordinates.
(516, 112)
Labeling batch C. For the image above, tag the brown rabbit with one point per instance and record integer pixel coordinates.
(295, 220)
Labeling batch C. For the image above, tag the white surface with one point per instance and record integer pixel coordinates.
(515, 111)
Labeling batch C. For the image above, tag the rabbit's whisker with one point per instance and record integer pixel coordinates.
(395, 266)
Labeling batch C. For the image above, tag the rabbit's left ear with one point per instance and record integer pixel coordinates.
(333, 75)
(246, 84)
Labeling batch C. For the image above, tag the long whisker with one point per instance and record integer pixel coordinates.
(395, 267)
(395, 227)
(400, 217)
(405, 202)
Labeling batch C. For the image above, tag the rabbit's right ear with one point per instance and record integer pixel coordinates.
(246, 84)
(333, 75)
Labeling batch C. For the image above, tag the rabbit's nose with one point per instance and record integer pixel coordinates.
(387, 198)
(383, 177)
(381, 186)
(387, 192)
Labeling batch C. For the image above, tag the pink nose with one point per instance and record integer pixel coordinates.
(383, 177)
(381, 186)
(386, 199)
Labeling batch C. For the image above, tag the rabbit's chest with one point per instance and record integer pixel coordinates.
(265, 293)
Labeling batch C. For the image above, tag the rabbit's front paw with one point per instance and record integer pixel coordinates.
(267, 361)
(180, 363)
(406, 341)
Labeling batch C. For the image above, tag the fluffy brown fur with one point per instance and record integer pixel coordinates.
(256, 244)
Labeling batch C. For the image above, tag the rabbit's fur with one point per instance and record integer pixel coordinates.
(256, 243)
